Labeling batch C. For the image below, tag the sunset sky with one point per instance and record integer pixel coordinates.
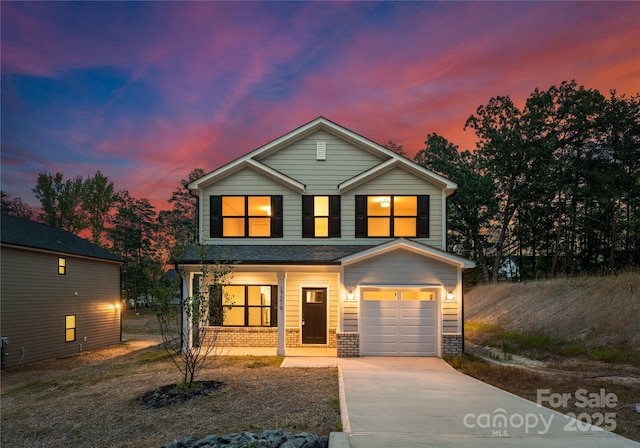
(147, 91)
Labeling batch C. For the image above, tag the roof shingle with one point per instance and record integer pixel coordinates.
(22, 232)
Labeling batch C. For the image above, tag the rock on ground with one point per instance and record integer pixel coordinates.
(276, 438)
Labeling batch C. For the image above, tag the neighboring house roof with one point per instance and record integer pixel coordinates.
(35, 235)
(315, 254)
(252, 159)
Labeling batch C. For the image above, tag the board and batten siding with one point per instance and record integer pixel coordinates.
(399, 268)
(35, 300)
(322, 177)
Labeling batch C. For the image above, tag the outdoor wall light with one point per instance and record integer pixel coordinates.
(450, 296)
(350, 295)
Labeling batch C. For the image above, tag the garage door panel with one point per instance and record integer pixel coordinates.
(416, 321)
(425, 312)
(399, 328)
(428, 331)
(374, 330)
(417, 349)
(381, 313)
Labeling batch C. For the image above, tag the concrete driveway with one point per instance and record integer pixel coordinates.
(423, 402)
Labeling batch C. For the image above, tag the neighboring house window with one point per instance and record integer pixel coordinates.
(246, 216)
(244, 306)
(321, 216)
(70, 327)
(62, 266)
(392, 216)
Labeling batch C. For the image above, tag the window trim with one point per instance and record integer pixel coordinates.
(68, 328)
(362, 216)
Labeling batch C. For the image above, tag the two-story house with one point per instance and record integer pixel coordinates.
(340, 243)
(59, 293)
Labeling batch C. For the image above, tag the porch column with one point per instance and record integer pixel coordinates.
(187, 285)
(282, 294)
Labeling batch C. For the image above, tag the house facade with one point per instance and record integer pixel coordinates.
(59, 293)
(339, 243)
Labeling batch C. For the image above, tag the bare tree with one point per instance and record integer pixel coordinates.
(189, 328)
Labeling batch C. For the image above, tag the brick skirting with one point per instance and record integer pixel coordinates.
(294, 338)
(246, 336)
(452, 344)
(260, 337)
(348, 345)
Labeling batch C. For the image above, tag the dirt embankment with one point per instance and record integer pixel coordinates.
(596, 311)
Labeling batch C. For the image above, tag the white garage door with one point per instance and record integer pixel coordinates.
(399, 323)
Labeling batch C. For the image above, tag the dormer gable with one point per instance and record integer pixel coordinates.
(388, 159)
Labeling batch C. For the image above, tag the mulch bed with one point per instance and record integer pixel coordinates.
(178, 393)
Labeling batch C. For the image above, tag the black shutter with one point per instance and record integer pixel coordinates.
(215, 216)
(307, 217)
(334, 216)
(361, 216)
(422, 223)
(276, 216)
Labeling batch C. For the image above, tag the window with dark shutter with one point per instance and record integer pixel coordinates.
(307, 216)
(276, 216)
(361, 216)
(321, 216)
(246, 216)
(392, 216)
(423, 217)
(215, 216)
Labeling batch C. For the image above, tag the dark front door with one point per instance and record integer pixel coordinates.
(314, 315)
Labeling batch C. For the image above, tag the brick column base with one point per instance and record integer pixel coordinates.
(348, 345)
(452, 344)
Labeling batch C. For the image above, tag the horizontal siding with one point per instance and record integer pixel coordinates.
(394, 182)
(343, 162)
(398, 182)
(450, 317)
(248, 182)
(350, 317)
(35, 300)
(297, 281)
(398, 268)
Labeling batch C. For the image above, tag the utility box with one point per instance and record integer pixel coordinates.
(3, 354)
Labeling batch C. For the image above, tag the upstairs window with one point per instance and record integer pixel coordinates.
(246, 216)
(321, 216)
(62, 266)
(392, 216)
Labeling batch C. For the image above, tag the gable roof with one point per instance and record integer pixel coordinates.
(411, 246)
(35, 235)
(390, 158)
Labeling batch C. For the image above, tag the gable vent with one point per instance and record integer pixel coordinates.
(321, 150)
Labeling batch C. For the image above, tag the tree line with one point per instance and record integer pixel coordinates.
(552, 188)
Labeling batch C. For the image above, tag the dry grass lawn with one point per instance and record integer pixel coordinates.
(91, 400)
